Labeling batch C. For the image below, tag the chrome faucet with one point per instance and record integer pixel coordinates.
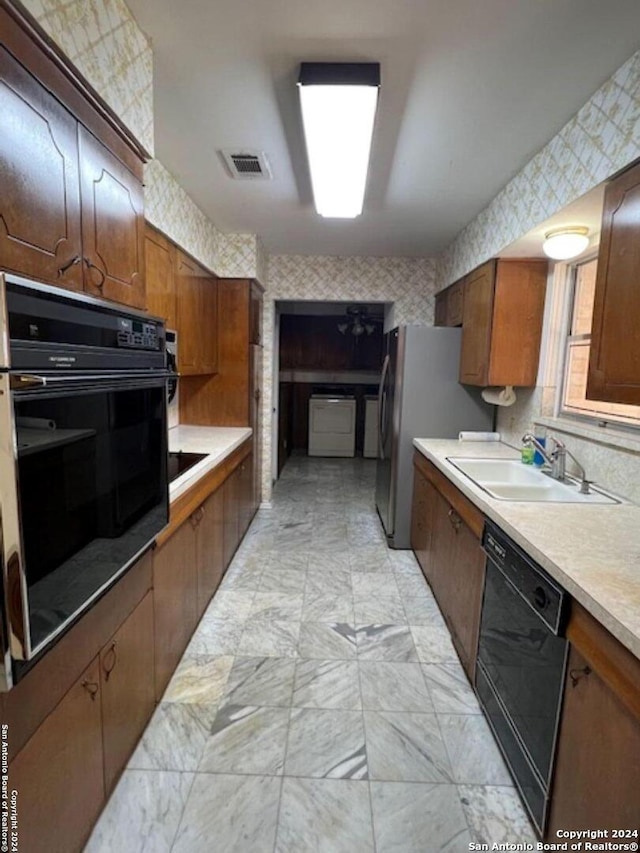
(557, 460)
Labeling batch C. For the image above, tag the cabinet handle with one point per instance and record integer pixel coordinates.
(577, 675)
(72, 263)
(92, 689)
(103, 277)
(455, 519)
(111, 654)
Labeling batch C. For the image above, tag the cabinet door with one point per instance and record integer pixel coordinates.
(255, 315)
(465, 599)
(231, 538)
(159, 276)
(440, 311)
(597, 775)
(174, 600)
(440, 555)
(127, 686)
(112, 225)
(455, 304)
(210, 545)
(614, 361)
(476, 325)
(419, 529)
(40, 232)
(59, 772)
(197, 311)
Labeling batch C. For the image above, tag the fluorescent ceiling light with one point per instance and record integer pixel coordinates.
(561, 244)
(338, 103)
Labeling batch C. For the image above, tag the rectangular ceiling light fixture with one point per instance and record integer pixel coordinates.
(338, 102)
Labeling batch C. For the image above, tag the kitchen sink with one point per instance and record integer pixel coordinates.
(179, 462)
(510, 480)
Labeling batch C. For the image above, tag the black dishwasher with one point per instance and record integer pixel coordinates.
(521, 665)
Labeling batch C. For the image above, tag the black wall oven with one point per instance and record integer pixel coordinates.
(83, 457)
(521, 665)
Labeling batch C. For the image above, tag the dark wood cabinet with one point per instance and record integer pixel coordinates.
(175, 600)
(449, 307)
(59, 772)
(112, 225)
(197, 312)
(446, 532)
(614, 360)
(40, 234)
(596, 782)
(127, 687)
(502, 323)
(160, 276)
(210, 548)
(231, 534)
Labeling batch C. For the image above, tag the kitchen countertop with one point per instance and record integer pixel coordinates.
(216, 442)
(592, 550)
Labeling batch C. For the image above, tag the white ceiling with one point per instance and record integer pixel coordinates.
(471, 90)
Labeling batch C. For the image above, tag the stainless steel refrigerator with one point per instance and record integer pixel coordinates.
(419, 397)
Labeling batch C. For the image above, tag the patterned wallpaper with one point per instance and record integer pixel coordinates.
(104, 42)
(409, 282)
(602, 138)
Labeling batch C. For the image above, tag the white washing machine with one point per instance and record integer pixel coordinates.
(332, 425)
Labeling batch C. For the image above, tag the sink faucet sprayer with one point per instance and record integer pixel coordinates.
(557, 459)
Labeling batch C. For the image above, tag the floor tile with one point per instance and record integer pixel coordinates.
(367, 584)
(330, 640)
(405, 748)
(174, 738)
(246, 739)
(434, 645)
(324, 816)
(277, 605)
(242, 579)
(327, 744)
(386, 642)
(269, 639)
(394, 687)
(260, 681)
(450, 691)
(230, 604)
(474, 756)
(327, 684)
(320, 563)
(386, 609)
(328, 581)
(216, 637)
(370, 559)
(230, 814)
(495, 815)
(327, 607)
(418, 818)
(285, 581)
(199, 680)
(288, 559)
(142, 814)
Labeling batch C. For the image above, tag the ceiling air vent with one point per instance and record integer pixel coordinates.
(247, 165)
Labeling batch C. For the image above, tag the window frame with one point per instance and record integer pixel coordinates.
(596, 419)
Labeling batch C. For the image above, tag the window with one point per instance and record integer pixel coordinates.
(578, 344)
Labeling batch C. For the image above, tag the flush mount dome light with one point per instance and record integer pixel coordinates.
(338, 102)
(561, 244)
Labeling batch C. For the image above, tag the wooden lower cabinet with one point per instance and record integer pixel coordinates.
(127, 687)
(59, 773)
(231, 535)
(449, 552)
(174, 596)
(210, 551)
(597, 775)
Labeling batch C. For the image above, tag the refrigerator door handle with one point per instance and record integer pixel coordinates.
(382, 407)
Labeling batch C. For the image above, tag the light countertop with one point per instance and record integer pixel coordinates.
(592, 550)
(216, 442)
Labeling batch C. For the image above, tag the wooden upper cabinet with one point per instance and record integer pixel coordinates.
(614, 361)
(450, 305)
(197, 312)
(40, 234)
(58, 774)
(112, 225)
(502, 326)
(160, 276)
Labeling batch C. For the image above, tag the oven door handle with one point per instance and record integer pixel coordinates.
(23, 383)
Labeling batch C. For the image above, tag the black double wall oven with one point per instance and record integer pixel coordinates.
(83, 457)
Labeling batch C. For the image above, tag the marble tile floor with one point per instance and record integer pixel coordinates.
(320, 706)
